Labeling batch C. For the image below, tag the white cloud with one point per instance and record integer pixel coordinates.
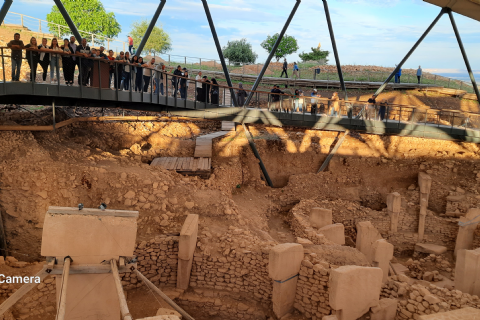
(44, 2)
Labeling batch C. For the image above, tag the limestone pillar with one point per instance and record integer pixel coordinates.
(320, 218)
(334, 232)
(425, 184)
(367, 234)
(466, 232)
(354, 290)
(394, 205)
(382, 254)
(386, 310)
(186, 248)
(467, 271)
(283, 267)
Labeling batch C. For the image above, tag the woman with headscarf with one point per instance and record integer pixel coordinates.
(214, 91)
(241, 94)
(32, 58)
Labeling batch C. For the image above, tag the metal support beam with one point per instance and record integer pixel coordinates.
(257, 155)
(220, 53)
(464, 54)
(150, 28)
(399, 66)
(69, 21)
(335, 51)
(335, 149)
(272, 53)
(4, 10)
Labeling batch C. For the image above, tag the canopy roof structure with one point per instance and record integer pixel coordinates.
(468, 8)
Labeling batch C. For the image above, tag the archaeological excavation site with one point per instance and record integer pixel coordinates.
(137, 216)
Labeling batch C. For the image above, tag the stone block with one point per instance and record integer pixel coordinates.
(188, 237)
(467, 271)
(466, 233)
(386, 310)
(320, 218)
(394, 202)
(459, 314)
(367, 234)
(303, 241)
(285, 260)
(354, 290)
(283, 297)
(90, 236)
(184, 269)
(382, 254)
(332, 317)
(424, 182)
(334, 233)
(162, 317)
(430, 248)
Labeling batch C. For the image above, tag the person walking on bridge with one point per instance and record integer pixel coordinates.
(130, 44)
(419, 73)
(16, 45)
(285, 67)
(295, 70)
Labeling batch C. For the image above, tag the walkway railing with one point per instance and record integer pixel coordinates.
(147, 84)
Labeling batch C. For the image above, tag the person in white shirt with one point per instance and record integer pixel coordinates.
(147, 73)
(199, 83)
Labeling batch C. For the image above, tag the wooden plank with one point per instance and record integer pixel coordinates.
(195, 164)
(94, 212)
(188, 165)
(172, 163)
(62, 303)
(163, 162)
(178, 164)
(121, 295)
(90, 269)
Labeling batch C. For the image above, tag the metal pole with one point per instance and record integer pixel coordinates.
(220, 53)
(53, 113)
(257, 155)
(69, 21)
(382, 87)
(5, 7)
(464, 54)
(334, 46)
(272, 53)
(150, 28)
(62, 303)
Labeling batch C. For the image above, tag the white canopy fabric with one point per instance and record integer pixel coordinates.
(468, 8)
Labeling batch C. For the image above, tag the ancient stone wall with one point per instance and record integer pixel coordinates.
(39, 301)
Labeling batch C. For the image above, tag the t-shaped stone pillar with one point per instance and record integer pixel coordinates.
(283, 267)
(382, 254)
(354, 290)
(320, 218)
(467, 271)
(394, 205)
(186, 248)
(425, 184)
(334, 232)
(466, 231)
(367, 234)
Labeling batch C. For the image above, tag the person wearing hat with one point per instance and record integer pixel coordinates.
(184, 84)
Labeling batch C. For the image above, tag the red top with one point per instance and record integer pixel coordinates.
(130, 41)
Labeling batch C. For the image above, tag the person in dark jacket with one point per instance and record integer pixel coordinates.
(67, 62)
(139, 75)
(32, 58)
(16, 45)
(206, 89)
(184, 84)
(241, 94)
(214, 91)
(84, 51)
(383, 109)
(44, 58)
(285, 67)
(176, 80)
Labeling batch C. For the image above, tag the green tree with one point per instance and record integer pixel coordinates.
(287, 46)
(158, 42)
(89, 16)
(315, 55)
(239, 51)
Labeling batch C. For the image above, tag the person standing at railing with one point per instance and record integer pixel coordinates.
(313, 101)
(419, 73)
(383, 109)
(184, 84)
(73, 45)
(241, 94)
(127, 68)
(285, 67)
(83, 50)
(296, 101)
(147, 74)
(370, 107)
(214, 92)
(139, 75)
(176, 80)
(16, 45)
(117, 83)
(335, 105)
(130, 44)
(54, 60)
(206, 89)
(111, 70)
(101, 52)
(198, 85)
(295, 70)
(160, 78)
(32, 58)
(68, 63)
(44, 58)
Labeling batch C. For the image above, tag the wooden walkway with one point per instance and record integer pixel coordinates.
(201, 163)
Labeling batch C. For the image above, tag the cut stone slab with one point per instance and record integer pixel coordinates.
(430, 248)
(386, 310)
(188, 237)
(334, 233)
(320, 217)
(460, 314)
(285, 260)
(382, 254)
(354, 290)
(467, 271)
(399, 268)
(303, 241)
(394, 202)
(466, 232)
(424, 182)
(332, 317)
(367, 234)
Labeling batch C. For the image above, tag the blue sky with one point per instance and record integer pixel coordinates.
(368, 32)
